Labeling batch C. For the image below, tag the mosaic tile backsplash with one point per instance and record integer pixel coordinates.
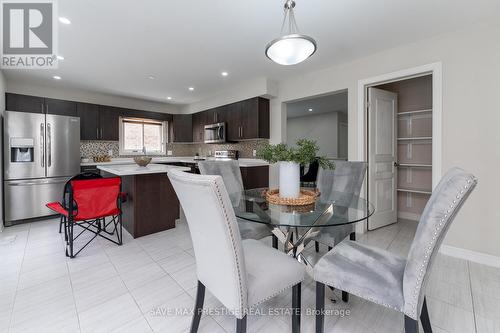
(90, 149)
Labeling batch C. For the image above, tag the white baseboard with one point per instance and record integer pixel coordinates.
(409, 216)
(477, 257)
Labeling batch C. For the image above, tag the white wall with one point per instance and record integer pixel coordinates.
(471, 116)
(80, 95)
(323, 128)
(2, 109)
(252, 88)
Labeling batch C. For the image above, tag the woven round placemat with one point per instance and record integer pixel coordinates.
(306, 197)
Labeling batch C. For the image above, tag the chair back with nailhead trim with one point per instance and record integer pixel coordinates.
(216, 238)
(440, 211)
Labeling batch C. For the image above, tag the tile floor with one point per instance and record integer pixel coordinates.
(132, 288)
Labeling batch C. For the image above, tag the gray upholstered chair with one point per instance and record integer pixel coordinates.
(387, 279)
(339, 185)
(231, 174)
(240, 274)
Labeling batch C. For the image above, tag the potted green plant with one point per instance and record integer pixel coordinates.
(290, 159)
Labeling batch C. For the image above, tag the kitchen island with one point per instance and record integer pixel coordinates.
(152, 204)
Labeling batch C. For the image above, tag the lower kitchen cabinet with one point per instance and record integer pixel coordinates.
(255, 177)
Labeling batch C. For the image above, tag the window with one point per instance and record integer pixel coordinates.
(137, 134)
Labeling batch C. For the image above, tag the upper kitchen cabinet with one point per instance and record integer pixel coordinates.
(89, 121)
(182, 128)
(146, 114)
(216, 115)
(198, 126)
(24, 103)
(60, 107)
(248, 119)
(109, 122)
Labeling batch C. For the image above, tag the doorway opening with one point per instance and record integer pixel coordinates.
(399, 149)
(322, 119)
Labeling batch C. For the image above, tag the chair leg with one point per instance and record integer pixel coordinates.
(241, 325)
(352, 236)
(60, 223)
(320, 307)
(275, 241)
(296, 296)
(65, 222)
(316, 246)
(411, 325)
(198, 307)
(424, 318)
(345, 296)
(70, 238)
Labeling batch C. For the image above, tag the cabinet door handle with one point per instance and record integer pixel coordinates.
(41, 104)
(101, 133)
(97, 133)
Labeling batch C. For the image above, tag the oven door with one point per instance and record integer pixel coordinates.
(215, 133)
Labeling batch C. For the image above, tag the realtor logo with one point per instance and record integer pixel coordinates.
(28, 35)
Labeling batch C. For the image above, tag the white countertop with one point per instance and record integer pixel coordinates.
(134, 169)
(244, 162)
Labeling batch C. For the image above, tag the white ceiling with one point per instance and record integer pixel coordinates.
(336, 102)
(113, 46)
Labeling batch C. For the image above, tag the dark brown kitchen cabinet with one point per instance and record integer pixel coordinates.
(24, 103)
(255, 177)
(89, 121)
(198, 126)
(145, 114)
(248, 119)
(182, 128)
(254, 118)
(215, 115)
(109, 123)
(60, 107)
(233, 122)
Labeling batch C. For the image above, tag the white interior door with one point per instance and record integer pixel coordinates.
(382, 178)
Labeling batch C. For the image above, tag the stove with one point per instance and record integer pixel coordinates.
(226, 155)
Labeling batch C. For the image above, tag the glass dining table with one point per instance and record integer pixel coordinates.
(296, 226)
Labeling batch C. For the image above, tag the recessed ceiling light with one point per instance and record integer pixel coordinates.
(169, 98)
(151, 77)
(224, 73)
(191, 88)
(56, 77)
(310, 109)
(64, 20)
(59, 57)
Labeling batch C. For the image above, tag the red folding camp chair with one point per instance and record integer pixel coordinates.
(90, 202)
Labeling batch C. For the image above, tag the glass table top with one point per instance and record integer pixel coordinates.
(337, 208)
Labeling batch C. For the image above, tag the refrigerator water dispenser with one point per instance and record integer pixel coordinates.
(22, 149)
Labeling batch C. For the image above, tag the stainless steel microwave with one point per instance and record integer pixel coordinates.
(215, 133)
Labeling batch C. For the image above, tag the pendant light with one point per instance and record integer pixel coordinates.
(292, 48)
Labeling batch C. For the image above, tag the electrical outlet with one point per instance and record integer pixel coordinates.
(169, 153)
(110, 152)
(254, 153)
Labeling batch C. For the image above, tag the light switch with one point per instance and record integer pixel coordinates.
(254, 153)
(169, 153)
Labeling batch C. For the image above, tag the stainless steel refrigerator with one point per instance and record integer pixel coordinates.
(41, 152)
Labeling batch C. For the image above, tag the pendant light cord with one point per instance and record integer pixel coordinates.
(292, 24)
